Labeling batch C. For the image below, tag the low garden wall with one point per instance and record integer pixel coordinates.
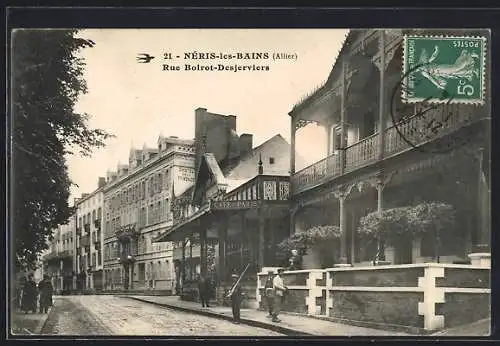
(423, 297)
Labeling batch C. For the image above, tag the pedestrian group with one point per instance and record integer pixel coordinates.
(28, 292)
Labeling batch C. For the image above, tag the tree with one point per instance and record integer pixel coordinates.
(47, 79)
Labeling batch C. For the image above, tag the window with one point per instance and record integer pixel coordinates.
(159, 213)
(166, 207)
(160, 182)
(271, 160)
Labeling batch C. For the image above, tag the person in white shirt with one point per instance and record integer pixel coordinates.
(279, 291)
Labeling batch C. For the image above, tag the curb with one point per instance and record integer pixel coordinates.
(253, 323)
(412, 331)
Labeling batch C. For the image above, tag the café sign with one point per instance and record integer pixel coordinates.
(234, 205)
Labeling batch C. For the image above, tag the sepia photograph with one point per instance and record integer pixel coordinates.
(249, 182)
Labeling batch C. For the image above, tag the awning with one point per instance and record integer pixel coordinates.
(183, 229)
(179, 231)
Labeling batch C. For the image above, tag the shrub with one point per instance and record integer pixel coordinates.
(325, 236)
(407, 222)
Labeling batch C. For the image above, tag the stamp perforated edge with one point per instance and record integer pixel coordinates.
(481, 102)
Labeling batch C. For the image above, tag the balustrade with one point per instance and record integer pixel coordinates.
(362, 152)
(317, 173)
(417, 130)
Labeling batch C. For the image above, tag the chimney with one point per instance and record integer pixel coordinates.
(101, 182)
(231, 122)
(245, 142)
(199, 131)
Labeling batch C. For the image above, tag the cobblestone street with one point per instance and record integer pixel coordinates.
(109, 315)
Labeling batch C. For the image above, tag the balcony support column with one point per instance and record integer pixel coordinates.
(183, 264)
(380, 182)
(342, 120)
(381, 117)
(343, 239)
(191, 258)
(262, 225)
(203, 251)
(222, 250)
(341, 194)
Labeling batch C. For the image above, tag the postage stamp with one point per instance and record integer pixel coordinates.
(439, 66)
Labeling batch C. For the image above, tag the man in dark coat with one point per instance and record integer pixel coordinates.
(46, 290)
(29, 295)
(204, 291)
(236, 298)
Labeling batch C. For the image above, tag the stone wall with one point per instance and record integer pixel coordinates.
(424, 297)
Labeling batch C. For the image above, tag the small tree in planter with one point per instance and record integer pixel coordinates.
(322, 239)
(398, 225)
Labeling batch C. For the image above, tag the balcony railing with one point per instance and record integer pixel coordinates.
(417, 130)
(125, 233)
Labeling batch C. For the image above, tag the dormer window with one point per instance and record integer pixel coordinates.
(271, 160)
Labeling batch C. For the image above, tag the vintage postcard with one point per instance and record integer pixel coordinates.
(250, 182)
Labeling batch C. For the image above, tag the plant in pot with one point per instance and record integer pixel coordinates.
(318, 244)
(399, 226)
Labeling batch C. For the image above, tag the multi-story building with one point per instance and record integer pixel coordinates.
(58, 260)
(384, 153)
(137, 207)
(89, 223)
(236, 212)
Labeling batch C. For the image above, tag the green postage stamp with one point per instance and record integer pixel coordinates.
(444, 69)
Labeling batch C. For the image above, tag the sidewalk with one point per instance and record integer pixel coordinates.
(290, 325)
(479, 328)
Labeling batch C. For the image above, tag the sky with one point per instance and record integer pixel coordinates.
(137, 102)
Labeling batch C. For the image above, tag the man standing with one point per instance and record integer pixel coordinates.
(279, 292)
(203, 291)
(236, 297)
(269, 292)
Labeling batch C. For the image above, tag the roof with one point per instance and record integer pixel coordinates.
(245, 169)
(209, 168)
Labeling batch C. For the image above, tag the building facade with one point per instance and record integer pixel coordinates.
(379, 158)
(58, 260)
(237, 210)
(137, 207)
(89, 237)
